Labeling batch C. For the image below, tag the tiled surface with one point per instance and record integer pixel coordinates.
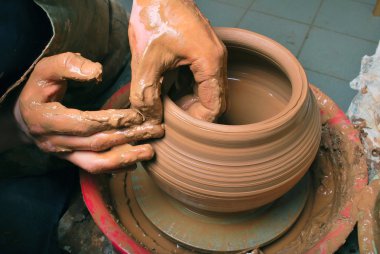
(298, 10)
(289, 33)
(334, 54)
(372, 2)
(349, 17)
(334, 87)
(221, 14)
(328, 36)
(240, 3)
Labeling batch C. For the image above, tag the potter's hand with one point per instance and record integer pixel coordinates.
(93, 140)
(165, 34)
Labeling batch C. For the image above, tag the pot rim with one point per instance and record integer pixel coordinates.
(273, 52)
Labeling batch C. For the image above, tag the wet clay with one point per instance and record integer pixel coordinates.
(216, 232)
(270, 141)
(83, 137)
(161, 41)
(369, 218)
(327, 219)
(339, 174)
(257, 90)
(39, 100)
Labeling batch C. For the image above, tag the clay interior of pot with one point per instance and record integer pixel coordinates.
(257, 88)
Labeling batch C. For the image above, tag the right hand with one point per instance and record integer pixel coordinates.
(96, 141)
(164, 35)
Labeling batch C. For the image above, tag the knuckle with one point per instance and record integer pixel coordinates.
(98, 145)
(46, 146)
(156, 132)
(41, 65)
(207, 68)
(67, 59)
(35, 130)
(136, 100)
(93, 167)
(82, 129)
(90, 168)
(220, 51)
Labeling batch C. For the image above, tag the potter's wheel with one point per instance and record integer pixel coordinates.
(213, 232)
(164, 225)
(322, 227)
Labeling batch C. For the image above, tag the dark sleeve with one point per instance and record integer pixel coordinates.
(24, 32)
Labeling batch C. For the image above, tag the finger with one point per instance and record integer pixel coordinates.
(191, 104)
(210, 73)
(48, 80)
(147, 70)
(67, 66)
(54, 118)
(117, 158)
(100, 141)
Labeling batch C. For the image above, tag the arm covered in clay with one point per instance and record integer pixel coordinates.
(165, 34)
(97, 141)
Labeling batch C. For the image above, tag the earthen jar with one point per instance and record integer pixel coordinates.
(266, 140)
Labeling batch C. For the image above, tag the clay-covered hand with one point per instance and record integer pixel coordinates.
(94, 140)
(165, 34)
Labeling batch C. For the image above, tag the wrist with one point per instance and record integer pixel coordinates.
(23, 130)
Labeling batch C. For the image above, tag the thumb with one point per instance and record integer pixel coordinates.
(146, 82)
(67, 66)
(210, 74)
(48, 79)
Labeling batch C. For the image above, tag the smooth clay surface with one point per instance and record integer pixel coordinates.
(265, 143)
(369, 218)
(338, 173)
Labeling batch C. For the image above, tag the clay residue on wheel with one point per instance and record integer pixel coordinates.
(339, 174)
(369, 218)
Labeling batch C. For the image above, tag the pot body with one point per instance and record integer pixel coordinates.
(266, 142)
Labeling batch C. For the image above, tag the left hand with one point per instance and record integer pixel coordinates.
(96, 141)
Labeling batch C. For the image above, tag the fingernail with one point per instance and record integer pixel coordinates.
(91, 69)
(145, 153)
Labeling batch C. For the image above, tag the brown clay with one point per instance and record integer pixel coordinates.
(339, 174)
(369, 218)
(338, 167)
(262, 152)
(82, 137)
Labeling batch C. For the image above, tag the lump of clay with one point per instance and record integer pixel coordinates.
(364, 111)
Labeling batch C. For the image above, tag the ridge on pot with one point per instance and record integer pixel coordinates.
(266, 140)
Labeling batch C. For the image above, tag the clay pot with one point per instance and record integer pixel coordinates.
(266, 140)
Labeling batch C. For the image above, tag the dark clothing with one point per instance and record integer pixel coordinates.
(35, 187)
(30, 210)
(24, 32)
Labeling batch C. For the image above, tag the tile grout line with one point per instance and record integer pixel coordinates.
(345, 34)
(273, 15)
(327, 74)
(245, 13)
(316, 26)
(229, 4)
(309, 29)
(362, 2)
(296, 21)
